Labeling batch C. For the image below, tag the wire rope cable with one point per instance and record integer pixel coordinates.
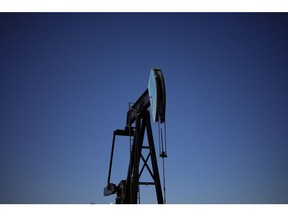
(163, 154)
(163, 161)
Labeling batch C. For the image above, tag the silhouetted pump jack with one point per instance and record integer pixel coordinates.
(137, 122)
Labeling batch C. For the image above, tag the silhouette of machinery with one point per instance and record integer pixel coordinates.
(137, 122)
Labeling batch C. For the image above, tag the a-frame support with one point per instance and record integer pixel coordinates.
(131, 185)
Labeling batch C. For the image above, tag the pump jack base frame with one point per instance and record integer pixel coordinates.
(127, 190)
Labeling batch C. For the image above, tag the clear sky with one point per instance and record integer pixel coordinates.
(65, 84)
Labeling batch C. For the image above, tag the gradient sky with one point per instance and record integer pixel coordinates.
(65, 84)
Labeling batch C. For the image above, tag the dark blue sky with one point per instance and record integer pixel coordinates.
(65, 84)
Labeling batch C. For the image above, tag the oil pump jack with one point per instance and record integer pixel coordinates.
(137, 122)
